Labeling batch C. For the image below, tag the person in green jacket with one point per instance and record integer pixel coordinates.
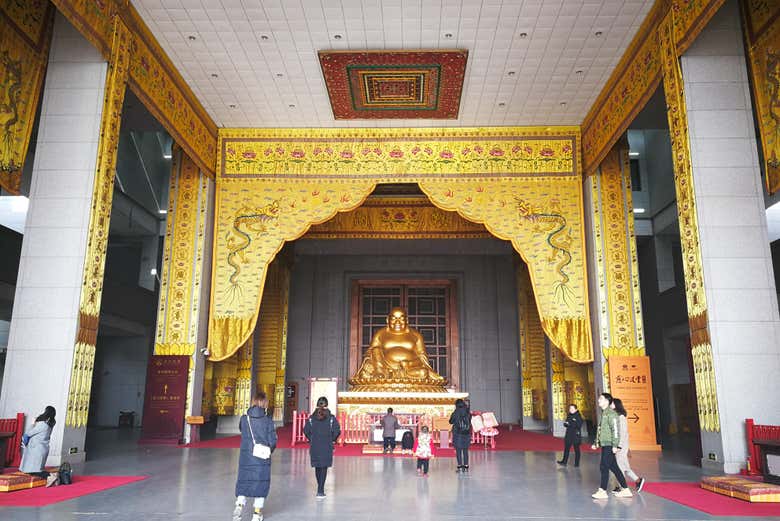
(608, 438)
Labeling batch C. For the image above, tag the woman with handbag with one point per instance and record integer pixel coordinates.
(258, 441)
(573, 437)
(35, 445)
(322, 429)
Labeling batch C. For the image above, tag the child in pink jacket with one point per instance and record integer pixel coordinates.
(423, 450)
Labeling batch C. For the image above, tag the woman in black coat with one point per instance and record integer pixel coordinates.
(573, 436)
(254, 474)
(460, 419)
(322, 429)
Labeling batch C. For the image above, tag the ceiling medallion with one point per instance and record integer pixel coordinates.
(394, 84)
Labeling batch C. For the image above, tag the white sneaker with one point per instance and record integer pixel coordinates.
(600, 494)
(626, 492)
(257, 517)
(237, 511)
(52, 480)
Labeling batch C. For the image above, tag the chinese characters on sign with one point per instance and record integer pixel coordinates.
(629, 380)
(166, 396)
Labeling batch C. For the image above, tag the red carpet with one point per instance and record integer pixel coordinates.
(228, 442)
(82, 486)
(693, 496)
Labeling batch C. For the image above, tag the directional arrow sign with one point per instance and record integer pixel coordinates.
(635, 417)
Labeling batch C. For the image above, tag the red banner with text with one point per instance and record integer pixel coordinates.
(166, 399)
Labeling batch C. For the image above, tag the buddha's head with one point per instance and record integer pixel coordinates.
(396, 320)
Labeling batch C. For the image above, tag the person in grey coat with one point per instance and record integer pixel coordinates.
(322, 429)
(35, 446)
(254, 474)
(389, 426)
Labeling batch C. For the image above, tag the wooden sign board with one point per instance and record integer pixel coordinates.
(327, 387)
(165, 400)
(441, 424)
(629, 380)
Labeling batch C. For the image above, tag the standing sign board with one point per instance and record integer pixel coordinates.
(327, 387)
(165, 400)
(629, 380)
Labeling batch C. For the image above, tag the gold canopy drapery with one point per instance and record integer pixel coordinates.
(524, 185)
(25, 33)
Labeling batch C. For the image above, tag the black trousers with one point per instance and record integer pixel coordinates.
(609, 464)
(422, 464)
(322, 474)
(463, 457)
(568, 445)
(389, 442)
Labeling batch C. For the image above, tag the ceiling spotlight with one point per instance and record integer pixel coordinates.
(448, 35)
(502, 104)
(639, 210)
(192, 37)
(232, 105)
(563, 103)
(263, 36)
(511, 73)
(291, 105)
(578, 71)
(523, 35)
(337, 37)
(633, 154)
(214, 75)
(598, 33)
(162, 212)
(279, 75)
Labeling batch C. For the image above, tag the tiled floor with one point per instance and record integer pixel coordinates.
(197, 484)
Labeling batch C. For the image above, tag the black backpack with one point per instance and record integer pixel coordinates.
(65, 474)
(407, 441)
(462, 424)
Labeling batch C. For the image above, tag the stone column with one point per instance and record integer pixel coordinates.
(45, 320)
(736, 377)
(182, 315)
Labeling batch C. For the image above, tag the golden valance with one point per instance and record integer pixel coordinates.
(25, 35)
(522, 184)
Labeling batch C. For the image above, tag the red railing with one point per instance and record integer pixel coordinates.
(755, 434)
(13, 447)
(299, 420)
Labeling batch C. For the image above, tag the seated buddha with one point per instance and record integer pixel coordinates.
(396, 360)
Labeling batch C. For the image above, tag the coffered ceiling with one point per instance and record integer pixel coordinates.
(254, 63)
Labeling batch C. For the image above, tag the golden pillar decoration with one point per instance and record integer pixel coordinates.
(225, 373)
(272, 335)
(180, 279)
(701, 347)
(617, 268)
(97, 238)
(534, 356)
(763, 41)
(207, 404)
(558, 379)
(243, 398)
(25, 37)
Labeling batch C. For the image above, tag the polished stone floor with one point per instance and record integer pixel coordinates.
(197, 484)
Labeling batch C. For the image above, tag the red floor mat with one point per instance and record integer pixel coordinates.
(82, 486)
(693, 496)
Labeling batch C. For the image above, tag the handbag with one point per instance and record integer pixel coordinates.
(258, 450)
(65, 474)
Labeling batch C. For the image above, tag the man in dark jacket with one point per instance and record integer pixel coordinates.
(254, 473)
(573, 436)
(460, 420)
(389, 425)
(322, 429)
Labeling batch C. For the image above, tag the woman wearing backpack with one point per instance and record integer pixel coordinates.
(322, 429)
(254, 471)
(460, 419)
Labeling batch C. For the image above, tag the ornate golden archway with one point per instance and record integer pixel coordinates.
(523, 184)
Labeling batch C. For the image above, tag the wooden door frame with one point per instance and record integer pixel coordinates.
(453, 329)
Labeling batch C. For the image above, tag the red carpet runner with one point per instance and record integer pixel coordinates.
(693, 496)
(82, 486)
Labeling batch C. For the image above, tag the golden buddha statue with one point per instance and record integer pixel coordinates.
(396, 360)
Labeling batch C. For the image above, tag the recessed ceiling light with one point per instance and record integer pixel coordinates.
(511, 73)
(279, 75)
(214, 75)
(523, 35)
(192, 37)
(162, 212)
(291, 105)
(633, 154)
(578, 71)
(598, 33)
(232, 105)
(263, 36)
(337, 37)
(563, 103)
(501, 104)
(448, 35)
(639, 210)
